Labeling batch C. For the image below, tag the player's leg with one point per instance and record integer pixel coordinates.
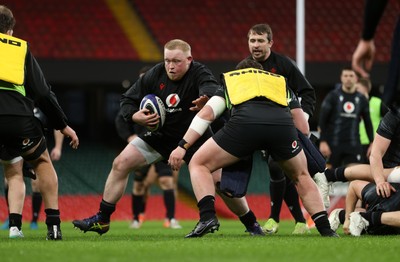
(167, 185)
(135, 155)
(209, 157)
(6, 223)
(48, 187)
(36, 203)
(296, 168)
(277, 188)
(16, 196)
(291, 198)
(138, 197)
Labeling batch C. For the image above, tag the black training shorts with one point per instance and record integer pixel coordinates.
(242, 140)
(18, 134)
(372, 202)
(162, 169)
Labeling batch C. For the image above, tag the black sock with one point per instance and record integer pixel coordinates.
(36, 205)
(52, 217)
(144, 204)
(277, 190)
(342, 216)
(249, 219)
(169, 202)
(329, 174)
(137, 205)
(322, 223)
(15, 220)
(106, 210)
(339, 174)
(207, 208)
(335, 175)
(6, 194)
(374, 218)
(292, 201)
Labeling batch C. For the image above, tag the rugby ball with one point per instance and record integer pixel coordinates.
(155, 105)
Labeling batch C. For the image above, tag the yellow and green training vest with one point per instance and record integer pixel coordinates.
(12, 62)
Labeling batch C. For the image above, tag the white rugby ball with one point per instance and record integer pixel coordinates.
(155, 105)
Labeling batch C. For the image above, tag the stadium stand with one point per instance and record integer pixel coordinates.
(73, 29)
(84, 29)
(217, 29)
(90, 32)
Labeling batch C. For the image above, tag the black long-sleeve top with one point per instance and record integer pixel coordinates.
(38, 93)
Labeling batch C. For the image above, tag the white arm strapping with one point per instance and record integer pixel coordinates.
(199, 125)
(217, 104)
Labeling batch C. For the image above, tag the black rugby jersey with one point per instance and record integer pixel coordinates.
(390, 128)
(176, 95)
(340, 116)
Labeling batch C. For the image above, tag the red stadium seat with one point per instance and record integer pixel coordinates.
(216, 30)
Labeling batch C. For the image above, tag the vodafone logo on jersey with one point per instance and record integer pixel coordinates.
(172, 100)
(348, 107)
(295, 146)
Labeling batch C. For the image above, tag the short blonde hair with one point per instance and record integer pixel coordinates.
(178, 44)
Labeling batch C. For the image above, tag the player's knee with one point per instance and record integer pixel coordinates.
(120, 165)
(138, 188)
(166, 182)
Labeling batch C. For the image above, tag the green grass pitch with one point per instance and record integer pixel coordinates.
(154, 243)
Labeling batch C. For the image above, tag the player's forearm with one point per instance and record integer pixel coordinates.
(372, 15)
(376, 168)
(351, 200)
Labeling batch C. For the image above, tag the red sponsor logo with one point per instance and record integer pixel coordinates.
(173, 100)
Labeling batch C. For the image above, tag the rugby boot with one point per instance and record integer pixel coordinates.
(204, 227)
(255, 230)
(92, 223)
(54, 233)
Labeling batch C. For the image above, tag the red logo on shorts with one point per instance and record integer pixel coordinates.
(294, 144)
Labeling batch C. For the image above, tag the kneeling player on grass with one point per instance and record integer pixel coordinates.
(377, 215)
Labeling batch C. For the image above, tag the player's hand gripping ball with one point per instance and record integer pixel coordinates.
(155, 105)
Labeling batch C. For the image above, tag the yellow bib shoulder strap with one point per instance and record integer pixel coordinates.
(245, 84)
(12, 63)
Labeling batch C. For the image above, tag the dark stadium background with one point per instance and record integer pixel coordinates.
(91, 50)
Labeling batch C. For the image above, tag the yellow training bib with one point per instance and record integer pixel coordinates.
(245, 84)
(12, 59)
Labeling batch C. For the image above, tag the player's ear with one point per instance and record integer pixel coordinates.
(271, 42)
(190, 58)
(10, 32)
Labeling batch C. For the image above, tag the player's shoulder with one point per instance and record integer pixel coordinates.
(198, 67)
(200, 72)
(281, 58)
